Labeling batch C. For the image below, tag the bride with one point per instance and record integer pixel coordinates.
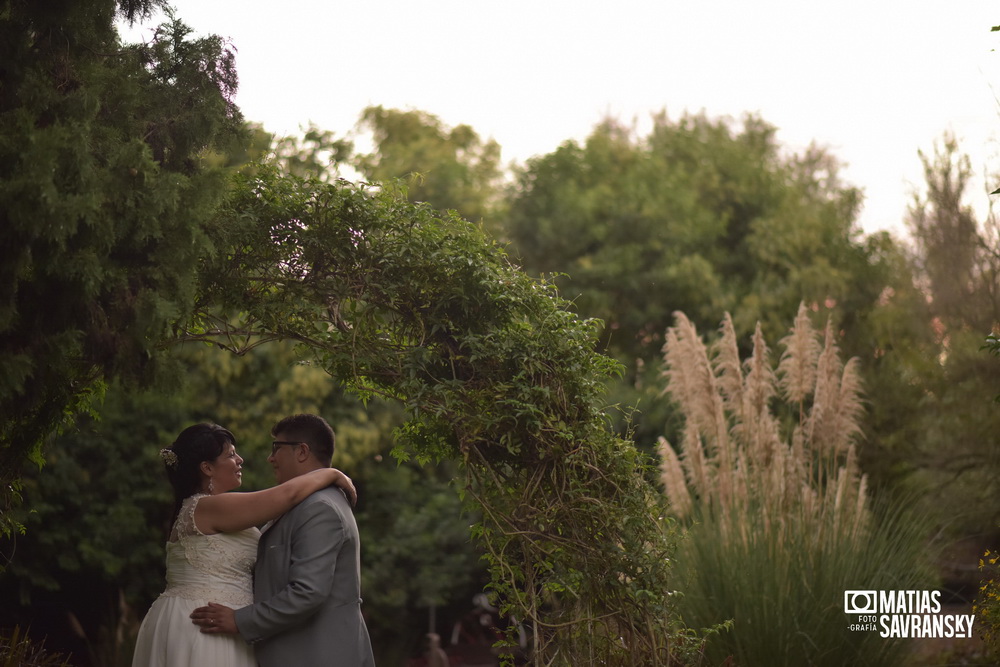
(213, 546)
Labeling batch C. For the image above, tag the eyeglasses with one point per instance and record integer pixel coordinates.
(278, 443)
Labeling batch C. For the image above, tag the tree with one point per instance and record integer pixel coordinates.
(697, 216)
(449, 168)
(317, 154)
(419, 306)
(94, 551)
(420, 564)
(954, 450)
(700, 216)
(958, 259)
(103, 203)
(107, 147)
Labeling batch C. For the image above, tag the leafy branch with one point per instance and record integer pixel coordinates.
(401, 300)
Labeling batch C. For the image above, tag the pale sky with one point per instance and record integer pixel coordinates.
(872, 80)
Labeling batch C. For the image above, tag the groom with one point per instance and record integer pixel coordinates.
(307, 604)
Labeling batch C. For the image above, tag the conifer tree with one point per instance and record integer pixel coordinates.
(103, 202)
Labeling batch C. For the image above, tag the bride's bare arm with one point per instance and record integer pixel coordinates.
(228, 512)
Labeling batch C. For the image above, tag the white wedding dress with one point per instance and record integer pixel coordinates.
(200, 569)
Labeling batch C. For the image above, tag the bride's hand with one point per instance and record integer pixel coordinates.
(344, 482)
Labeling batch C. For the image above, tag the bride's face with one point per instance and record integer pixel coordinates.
(226, 470)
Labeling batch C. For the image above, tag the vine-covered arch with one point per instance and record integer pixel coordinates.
(402, 301)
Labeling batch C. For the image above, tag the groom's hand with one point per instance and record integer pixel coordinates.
(215, 619)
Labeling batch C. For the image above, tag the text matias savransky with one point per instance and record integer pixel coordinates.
(915, 614)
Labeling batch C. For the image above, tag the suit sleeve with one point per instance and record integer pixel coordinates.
(316, 538)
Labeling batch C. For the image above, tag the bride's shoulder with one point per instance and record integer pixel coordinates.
(189, 504)
(185, 525)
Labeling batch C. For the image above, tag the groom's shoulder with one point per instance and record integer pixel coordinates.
(330, 496)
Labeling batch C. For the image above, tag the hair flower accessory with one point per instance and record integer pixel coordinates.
(169, 457)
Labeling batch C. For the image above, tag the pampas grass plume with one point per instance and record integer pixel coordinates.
(797, 367)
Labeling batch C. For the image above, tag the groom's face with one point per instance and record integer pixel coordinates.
(284, 458)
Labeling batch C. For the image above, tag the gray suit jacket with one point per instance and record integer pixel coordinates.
(307, 589)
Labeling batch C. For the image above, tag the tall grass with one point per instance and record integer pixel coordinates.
(786, 594)
(779, 518)
(18, 650)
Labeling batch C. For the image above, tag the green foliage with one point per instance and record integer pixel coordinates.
(97, 517)
(987, 605)
(701, 216)
(114, 530)
(954, 253)
(785, 594)
(424, 516)
(316, 154)
(448, 168)
(992, 344)
(948, 435)
(97, 514)
(698, 216)
(102, 202)
(250, 393)
(416, 549)
(417, 305)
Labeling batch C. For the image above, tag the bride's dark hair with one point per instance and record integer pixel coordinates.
(201, 442)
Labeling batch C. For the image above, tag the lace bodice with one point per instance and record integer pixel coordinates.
(212, 568)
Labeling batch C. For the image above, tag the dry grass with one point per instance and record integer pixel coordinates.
(735, 455)
(767, 482)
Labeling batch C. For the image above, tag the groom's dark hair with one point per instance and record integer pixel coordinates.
(312, 430)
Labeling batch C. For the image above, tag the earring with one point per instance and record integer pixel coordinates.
(211, 487)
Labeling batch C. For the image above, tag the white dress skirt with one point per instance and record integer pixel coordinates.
(200, 569)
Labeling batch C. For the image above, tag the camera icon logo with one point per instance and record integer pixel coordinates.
(860, 602)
